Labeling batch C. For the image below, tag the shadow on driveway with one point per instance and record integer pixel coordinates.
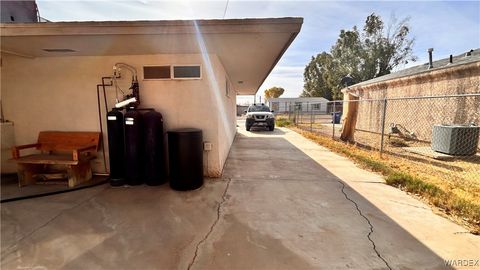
(285, 211)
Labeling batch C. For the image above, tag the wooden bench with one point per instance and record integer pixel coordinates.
(72, 150)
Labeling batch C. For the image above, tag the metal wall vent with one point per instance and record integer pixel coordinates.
(156, 72)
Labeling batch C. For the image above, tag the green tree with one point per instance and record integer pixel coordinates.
(384, 50)
(373, 52)
(347, 53)
(320, 77)
(274, 92)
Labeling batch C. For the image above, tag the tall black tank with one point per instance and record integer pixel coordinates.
(154, 149)
(185, 148)
(116, 147)
(134, 147)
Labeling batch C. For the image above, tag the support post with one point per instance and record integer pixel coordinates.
(384, 112)
(287, 107)
(79, 173)
(333, 121)
(311, 119)
(26, 173)
(300, 113)
(295, 111)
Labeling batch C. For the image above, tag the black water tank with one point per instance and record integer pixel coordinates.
(134, 147)
(185, 148)
(154, 149)
(116, 147)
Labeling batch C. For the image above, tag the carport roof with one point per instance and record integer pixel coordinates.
(248, 48)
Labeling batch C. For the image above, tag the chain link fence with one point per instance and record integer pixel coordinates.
(438, 135)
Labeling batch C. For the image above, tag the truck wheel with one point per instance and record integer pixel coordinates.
(271, 128)
(247, 128)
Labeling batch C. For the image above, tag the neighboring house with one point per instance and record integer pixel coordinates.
(283, 105)
(18, 11)
(50, 70)
(450, 76)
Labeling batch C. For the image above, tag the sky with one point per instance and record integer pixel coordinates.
(450, 27)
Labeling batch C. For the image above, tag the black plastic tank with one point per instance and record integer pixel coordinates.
(134, 147)
(155, 165)
(185, 148)
(116, 147)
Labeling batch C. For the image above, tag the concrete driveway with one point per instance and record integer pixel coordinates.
(283, 203)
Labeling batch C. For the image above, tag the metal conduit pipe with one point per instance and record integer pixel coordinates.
(100, 115)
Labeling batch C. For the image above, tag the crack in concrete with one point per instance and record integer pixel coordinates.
(219, 213)
(5, 254)
(369, 224)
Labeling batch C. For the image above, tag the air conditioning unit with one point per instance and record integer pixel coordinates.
(458, 140)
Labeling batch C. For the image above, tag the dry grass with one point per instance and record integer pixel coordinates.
(282, 122)
(461, 175)
(458, 198)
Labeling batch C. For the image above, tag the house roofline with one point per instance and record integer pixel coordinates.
(152, 27)
(243, 79)
(420, 76)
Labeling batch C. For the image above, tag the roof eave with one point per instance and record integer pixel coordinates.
(406, 78)
(292, 38)
(287, 24)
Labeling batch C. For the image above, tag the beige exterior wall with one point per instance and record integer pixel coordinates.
(227, 120)
(456, 80)
(419, 115)
(59, 93)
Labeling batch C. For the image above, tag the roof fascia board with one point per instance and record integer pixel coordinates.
(281, 25)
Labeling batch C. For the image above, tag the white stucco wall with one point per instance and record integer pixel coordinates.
(59, 93)
(227, 119)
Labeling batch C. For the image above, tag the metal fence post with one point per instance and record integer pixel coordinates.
(289, 111)
(300, 111)
(300, 115)
(333, 121)
(384, 112)
(295, 116)
(311, 119)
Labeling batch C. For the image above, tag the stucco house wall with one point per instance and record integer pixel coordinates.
(59, 93)
(419, 115)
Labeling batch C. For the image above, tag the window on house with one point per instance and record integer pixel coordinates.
(186, 72)
(156, 72)
(315, 107)
(298, 106)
